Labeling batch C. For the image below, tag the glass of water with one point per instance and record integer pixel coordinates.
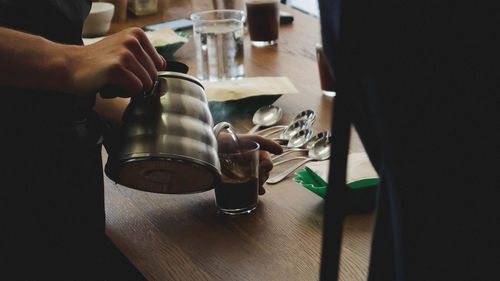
(218, 36)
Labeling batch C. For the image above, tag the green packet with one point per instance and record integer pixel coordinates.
(167, 51)
(360, 197)
(238, 109)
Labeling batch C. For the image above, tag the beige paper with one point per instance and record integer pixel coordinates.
(359, 168)
(158, 37)
(247, 87)
(164, 36)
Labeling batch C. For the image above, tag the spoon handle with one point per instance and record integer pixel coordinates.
(253, 129)
(283, 175)
(274, 158)
(288, 160)
(273, 130)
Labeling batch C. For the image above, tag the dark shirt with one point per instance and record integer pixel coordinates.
(420, 80)
(51, 192)
(51, 198)
(59, 21)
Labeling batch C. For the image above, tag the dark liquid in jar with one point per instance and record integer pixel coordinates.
(237, 194)
(263, 20)
(227, 4)
(326, 76)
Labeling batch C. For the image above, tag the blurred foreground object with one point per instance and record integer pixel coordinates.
(143, 7)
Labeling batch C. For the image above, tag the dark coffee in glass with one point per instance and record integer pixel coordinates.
(263, 21)
(237, 195)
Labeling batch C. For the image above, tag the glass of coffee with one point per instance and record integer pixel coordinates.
(239, 189)
(326, 75)
(263, 21)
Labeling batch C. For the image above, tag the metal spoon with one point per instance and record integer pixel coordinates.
(291, 130)
(267, 115)
(325, 134)
(307, 114)
(320, 151)
(297, 141)
(305, 146)
(300, 139)
(311, 147)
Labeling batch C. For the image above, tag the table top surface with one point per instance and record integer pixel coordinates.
(182, 237)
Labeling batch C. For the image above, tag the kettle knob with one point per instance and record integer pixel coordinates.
(111, 91)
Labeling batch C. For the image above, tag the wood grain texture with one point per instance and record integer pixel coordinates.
(181, 237)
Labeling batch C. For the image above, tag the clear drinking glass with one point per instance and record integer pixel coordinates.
(263, 21)
(238, 191)
(218, 37)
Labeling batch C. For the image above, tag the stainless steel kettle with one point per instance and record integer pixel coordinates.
(166, 142)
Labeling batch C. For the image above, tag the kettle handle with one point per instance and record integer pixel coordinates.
(221, 126)
(235, 144)
(113, 91)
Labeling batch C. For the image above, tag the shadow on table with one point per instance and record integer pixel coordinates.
(239, 109)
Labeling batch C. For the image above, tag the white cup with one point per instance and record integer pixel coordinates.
(99, 19)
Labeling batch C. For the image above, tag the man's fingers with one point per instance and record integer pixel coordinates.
(265, 144)
(158, 60)
(126, 80)
(143, 58)
(164, 64)
(265, 166)
(262, 190)
(132, 64)
(265, 163)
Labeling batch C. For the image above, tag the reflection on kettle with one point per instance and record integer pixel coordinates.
(166, 143)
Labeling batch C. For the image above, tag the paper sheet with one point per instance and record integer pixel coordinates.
(359, 168)
(158, 37)
(164, 36)
(247, 87)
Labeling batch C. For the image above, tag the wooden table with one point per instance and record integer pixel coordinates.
(181, 237)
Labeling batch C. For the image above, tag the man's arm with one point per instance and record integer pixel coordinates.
(30, 61)
(126, 59)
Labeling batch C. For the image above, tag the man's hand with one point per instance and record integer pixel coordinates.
(265, 163)
(126, 59)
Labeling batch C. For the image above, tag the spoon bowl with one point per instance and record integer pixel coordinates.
(291, 130)
(300, 139)
(267, 115)
(307, 115)
(321, 149)
(294, 129)
(316, 138)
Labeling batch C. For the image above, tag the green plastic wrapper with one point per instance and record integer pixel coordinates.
(360, 198)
